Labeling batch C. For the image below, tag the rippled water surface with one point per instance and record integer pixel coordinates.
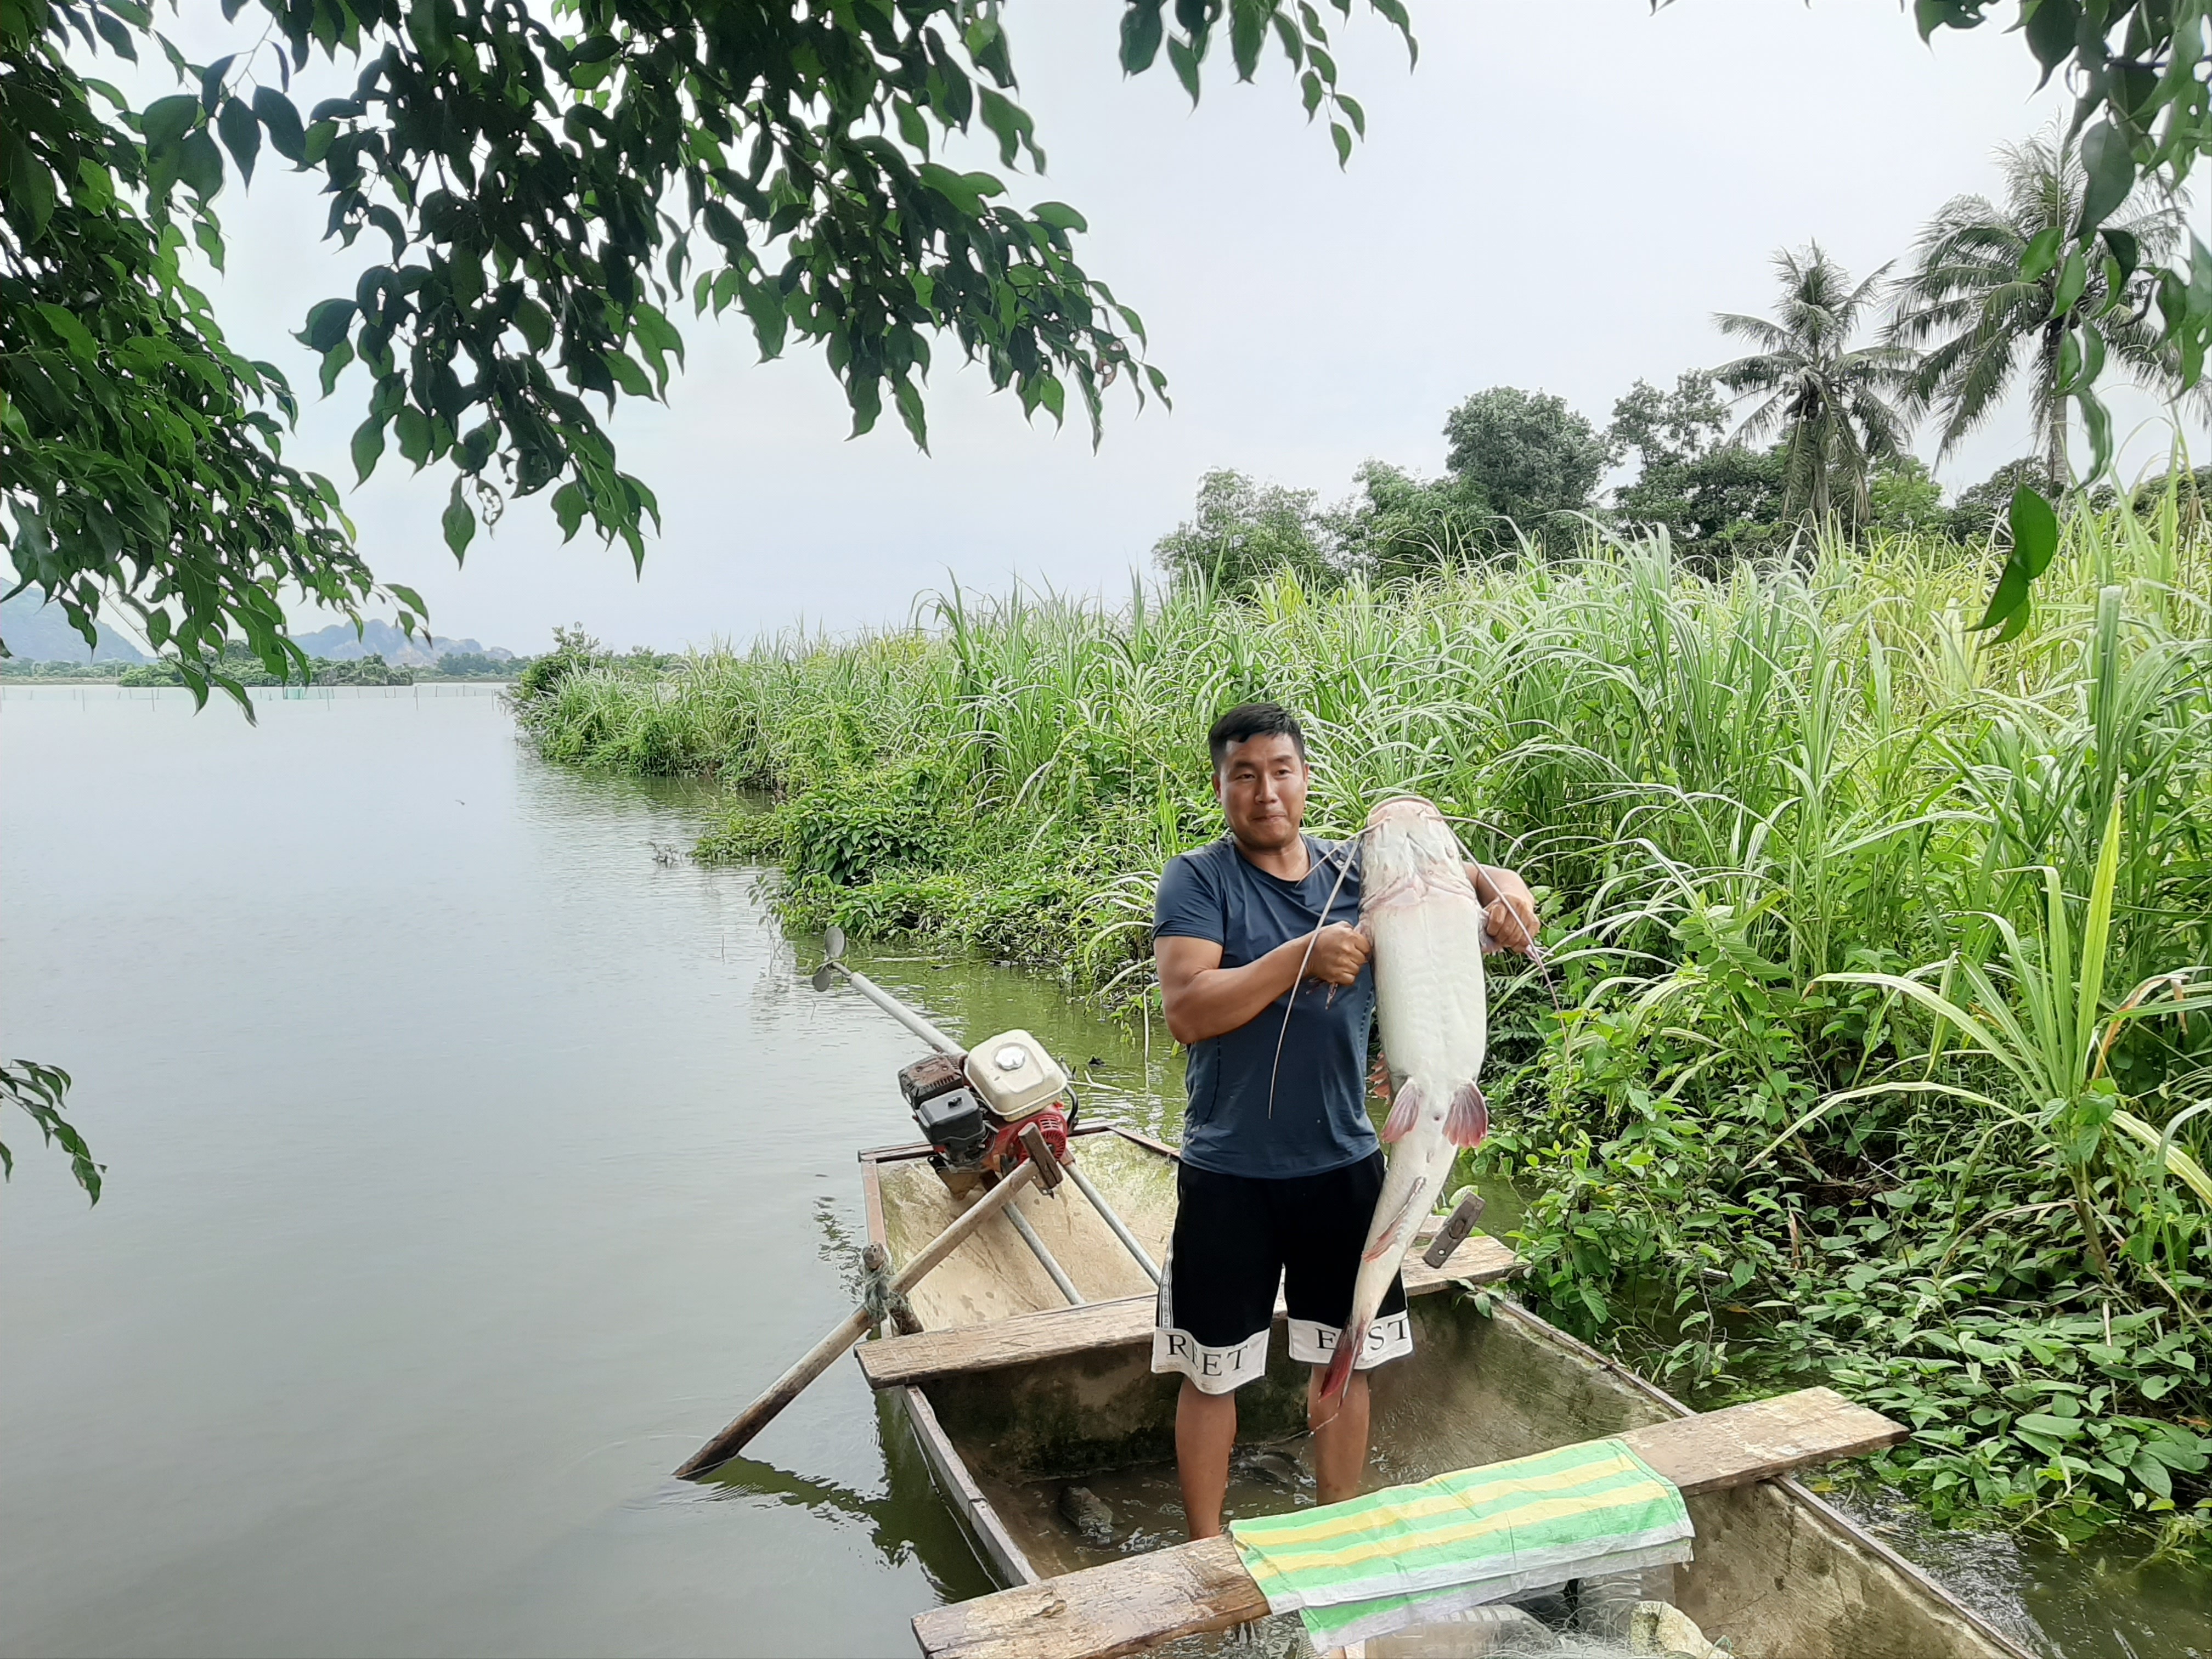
(467, 1167)
(471, 1156)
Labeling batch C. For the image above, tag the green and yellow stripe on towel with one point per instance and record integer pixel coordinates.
(1408, 1555)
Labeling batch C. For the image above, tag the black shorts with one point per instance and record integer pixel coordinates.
(1237, 1237)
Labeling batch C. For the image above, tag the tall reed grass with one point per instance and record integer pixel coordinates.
(1776, 817)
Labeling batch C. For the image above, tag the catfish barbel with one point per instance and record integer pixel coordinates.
(1420, 910)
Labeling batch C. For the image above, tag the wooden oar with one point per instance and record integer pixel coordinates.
(818, 1359)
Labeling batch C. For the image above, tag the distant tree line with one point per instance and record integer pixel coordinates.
(244, 665)
(241, 661)
(1806, 432)
(574, 651)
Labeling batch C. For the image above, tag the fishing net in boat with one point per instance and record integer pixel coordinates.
(1595, 1618)
(1511, 1632)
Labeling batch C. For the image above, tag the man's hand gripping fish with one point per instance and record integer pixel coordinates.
(1420, 910)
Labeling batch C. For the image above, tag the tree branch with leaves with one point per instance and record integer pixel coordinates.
(536, 194)
(2142, 77)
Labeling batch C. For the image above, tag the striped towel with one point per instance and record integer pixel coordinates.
(1410, 1554)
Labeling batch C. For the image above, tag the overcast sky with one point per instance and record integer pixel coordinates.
(1558, 197)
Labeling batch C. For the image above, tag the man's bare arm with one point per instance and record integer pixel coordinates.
(1205, 1000)
(1512, 907)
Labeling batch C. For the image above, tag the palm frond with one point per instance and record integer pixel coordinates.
(1772, 339)
(1965, 301)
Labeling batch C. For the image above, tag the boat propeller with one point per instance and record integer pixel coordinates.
(833, 941)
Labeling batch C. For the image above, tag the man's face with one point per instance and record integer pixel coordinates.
(1261, 786)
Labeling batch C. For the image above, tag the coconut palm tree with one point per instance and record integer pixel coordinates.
(1988, 321)
(1836, 405)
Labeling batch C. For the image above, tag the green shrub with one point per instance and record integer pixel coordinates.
(574, 651)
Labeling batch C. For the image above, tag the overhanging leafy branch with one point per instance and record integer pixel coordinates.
(39, 1090)
(2141, 77)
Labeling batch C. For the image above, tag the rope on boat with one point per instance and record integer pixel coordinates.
(882, 1300)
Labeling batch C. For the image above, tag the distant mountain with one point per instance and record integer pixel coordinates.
(37, 632)
(339, 643)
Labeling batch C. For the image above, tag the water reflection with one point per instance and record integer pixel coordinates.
(908, 1522)
(468, 1164)
(2094, 1604)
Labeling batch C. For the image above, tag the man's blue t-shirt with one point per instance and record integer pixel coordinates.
(1318, 1120)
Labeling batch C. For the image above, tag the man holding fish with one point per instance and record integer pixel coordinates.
(1266, 945)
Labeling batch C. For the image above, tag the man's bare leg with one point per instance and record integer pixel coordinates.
(1205, 1429)
(1339, 1439)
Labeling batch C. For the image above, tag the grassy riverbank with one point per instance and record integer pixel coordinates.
(1743, 1170)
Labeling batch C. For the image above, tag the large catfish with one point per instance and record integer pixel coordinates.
(1420, 909)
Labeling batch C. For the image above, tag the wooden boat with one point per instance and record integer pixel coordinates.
(1012, 1395)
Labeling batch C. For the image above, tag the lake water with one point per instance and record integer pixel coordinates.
(470, 1157)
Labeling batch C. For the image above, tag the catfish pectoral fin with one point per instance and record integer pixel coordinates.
(1467, 1123)
(1405, 1113)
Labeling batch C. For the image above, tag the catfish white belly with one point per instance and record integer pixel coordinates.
(1420, 909)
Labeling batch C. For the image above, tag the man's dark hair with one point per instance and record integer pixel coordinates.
(1254, 720)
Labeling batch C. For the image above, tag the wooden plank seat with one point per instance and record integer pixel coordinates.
(1122, 1322)
(1133, 1605)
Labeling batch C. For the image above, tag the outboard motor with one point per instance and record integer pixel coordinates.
(973, 1108)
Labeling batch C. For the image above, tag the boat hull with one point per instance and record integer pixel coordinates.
(1780, 1572)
